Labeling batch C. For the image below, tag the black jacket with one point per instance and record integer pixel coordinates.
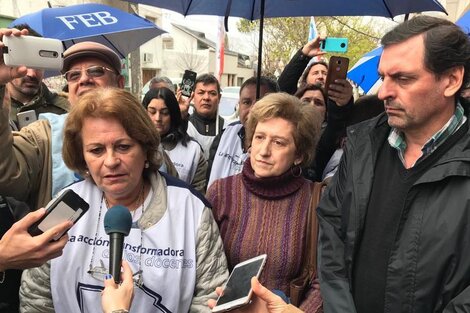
(291, 74)
(429, 267)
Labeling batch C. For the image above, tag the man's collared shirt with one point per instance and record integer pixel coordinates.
(396, 138)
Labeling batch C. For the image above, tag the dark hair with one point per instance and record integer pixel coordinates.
(445, 45)
(302, 89)
(177, 130)
(208, 79)
(31, 32)
(265, 81)
(303, 78)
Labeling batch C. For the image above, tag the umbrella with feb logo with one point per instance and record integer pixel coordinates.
(121, 31)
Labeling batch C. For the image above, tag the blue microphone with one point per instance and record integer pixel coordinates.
(117, 224)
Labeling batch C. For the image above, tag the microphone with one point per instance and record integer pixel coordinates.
(117, 224)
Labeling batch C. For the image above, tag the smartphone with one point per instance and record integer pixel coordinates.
(67, 206)
(26, 118)
(237, 291)
(33, 52)
(337, 69)
(187, 83)
(331, 44)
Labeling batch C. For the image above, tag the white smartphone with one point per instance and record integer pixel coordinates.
(26, 118)
(67, 206)
(237, 291)
(33, 52)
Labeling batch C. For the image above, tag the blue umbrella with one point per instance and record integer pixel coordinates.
(121, 31)
(364, 72)
(259, 9)
(253, 9)
(464, 22)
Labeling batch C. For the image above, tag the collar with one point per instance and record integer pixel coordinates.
(396, 138)
(203, 119)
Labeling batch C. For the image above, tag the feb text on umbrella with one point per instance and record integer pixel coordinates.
(121, 31)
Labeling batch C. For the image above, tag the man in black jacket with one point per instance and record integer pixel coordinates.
(394, 222)
(205, 122)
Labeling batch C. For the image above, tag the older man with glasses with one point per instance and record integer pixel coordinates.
(31, 159)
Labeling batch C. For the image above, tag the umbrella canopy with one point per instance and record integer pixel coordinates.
(252, 10)
(464, 22)
(364, 72)
(259, 9)
(121, 31)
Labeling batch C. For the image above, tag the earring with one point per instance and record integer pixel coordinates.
(296, 170)
(146, 164)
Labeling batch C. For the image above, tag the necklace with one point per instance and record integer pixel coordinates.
(99, 272)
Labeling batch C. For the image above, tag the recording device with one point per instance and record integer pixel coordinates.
(68, 206)
(25, 118)
(187, 83)
(33, 52)
(331, 44)
(337, 69)
(237, 292)
(117, 224)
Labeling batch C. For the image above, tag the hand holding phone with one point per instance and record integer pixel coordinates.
(331, 44)
(33, 52)
(237, 291)
(337, 69)
(67, 206)
(187, 83)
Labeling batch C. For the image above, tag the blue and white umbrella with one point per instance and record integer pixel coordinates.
(121, 31)
(364, 72)
(464, 22)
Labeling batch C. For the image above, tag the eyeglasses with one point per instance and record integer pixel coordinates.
(92, 71)
(100, 272)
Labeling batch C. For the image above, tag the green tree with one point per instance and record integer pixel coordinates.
(284, 36)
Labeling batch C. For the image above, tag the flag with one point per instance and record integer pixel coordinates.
(312, 30)
(220, 49)
(312, 33)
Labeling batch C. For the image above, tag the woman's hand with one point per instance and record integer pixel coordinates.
(263, 300)
(114, 296)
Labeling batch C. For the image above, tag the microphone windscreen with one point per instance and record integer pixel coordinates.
(118, 219)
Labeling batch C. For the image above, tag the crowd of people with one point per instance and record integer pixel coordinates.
(204, 196)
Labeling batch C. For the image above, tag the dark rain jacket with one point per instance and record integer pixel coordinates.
(429, 265)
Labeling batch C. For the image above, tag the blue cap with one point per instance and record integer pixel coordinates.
(118, 219)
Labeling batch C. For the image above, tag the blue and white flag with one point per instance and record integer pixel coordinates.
(312, 30)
